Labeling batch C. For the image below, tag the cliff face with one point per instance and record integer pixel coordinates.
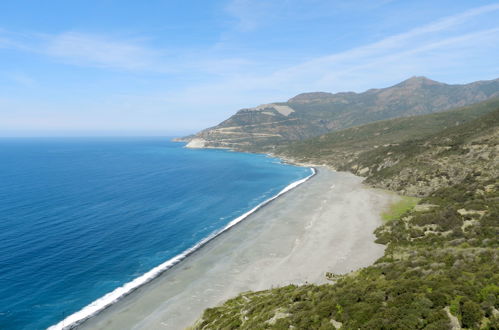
(312, 114)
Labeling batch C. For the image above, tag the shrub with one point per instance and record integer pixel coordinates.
(471, 314)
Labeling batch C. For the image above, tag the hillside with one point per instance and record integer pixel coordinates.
(358, 149)
(420, 167)
(313, 114)
(440, 269)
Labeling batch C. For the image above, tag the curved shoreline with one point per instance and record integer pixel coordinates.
(104, 302)
(325, 225)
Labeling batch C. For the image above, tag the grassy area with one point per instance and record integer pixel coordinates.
(398, 208)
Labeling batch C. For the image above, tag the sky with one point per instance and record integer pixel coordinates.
(168, 67)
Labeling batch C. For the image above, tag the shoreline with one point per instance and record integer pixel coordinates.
(323, 226)
(97, 306)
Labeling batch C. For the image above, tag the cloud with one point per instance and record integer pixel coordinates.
(106, 52)
(214, 83)
(438, 39)
(245, 14)
(6, 41)
(409, 38)
(250, 15)
(85, 49)
(23, 79)
(437, 49)
(94, 50)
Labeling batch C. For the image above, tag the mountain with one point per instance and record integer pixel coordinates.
(440, 269)
(312, 114)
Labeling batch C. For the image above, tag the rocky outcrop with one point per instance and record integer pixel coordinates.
(196, 143)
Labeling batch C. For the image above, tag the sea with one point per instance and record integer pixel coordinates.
(85, 221)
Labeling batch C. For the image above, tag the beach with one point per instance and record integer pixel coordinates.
(323, 225)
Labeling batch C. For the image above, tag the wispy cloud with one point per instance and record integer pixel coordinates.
(435, 49)
(411, 38)
(247, 13)
(23, 79)
(253, 14)
(425, 47)
(6, 41)
(85, 49)
(212, 83)
(100, 51)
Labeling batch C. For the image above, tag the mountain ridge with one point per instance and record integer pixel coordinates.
(312, 114)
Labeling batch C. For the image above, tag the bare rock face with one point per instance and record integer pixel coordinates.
(311, 114)
(196, 143)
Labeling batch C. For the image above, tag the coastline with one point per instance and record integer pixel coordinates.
(323, 226)
(94, 308)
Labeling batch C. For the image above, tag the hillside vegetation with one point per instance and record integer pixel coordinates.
(342, 149)
(422, 166)
(441, 265)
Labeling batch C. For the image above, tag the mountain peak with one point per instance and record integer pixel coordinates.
(418, 81)
(306, 97)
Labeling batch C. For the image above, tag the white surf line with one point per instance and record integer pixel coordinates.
(112, 297)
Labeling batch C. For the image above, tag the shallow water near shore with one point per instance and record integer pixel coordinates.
(82, 217)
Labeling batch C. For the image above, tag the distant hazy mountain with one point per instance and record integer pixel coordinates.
(311, 114)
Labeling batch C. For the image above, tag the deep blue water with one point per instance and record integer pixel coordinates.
(81, 217)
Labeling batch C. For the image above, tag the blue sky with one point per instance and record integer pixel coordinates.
(157, 67)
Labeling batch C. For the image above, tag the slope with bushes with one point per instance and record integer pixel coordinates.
(419, 167)
(347, 149)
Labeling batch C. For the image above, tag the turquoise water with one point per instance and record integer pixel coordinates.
(82, 217)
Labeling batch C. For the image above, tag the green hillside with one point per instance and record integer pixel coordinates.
(343, 148)
(419, 167)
